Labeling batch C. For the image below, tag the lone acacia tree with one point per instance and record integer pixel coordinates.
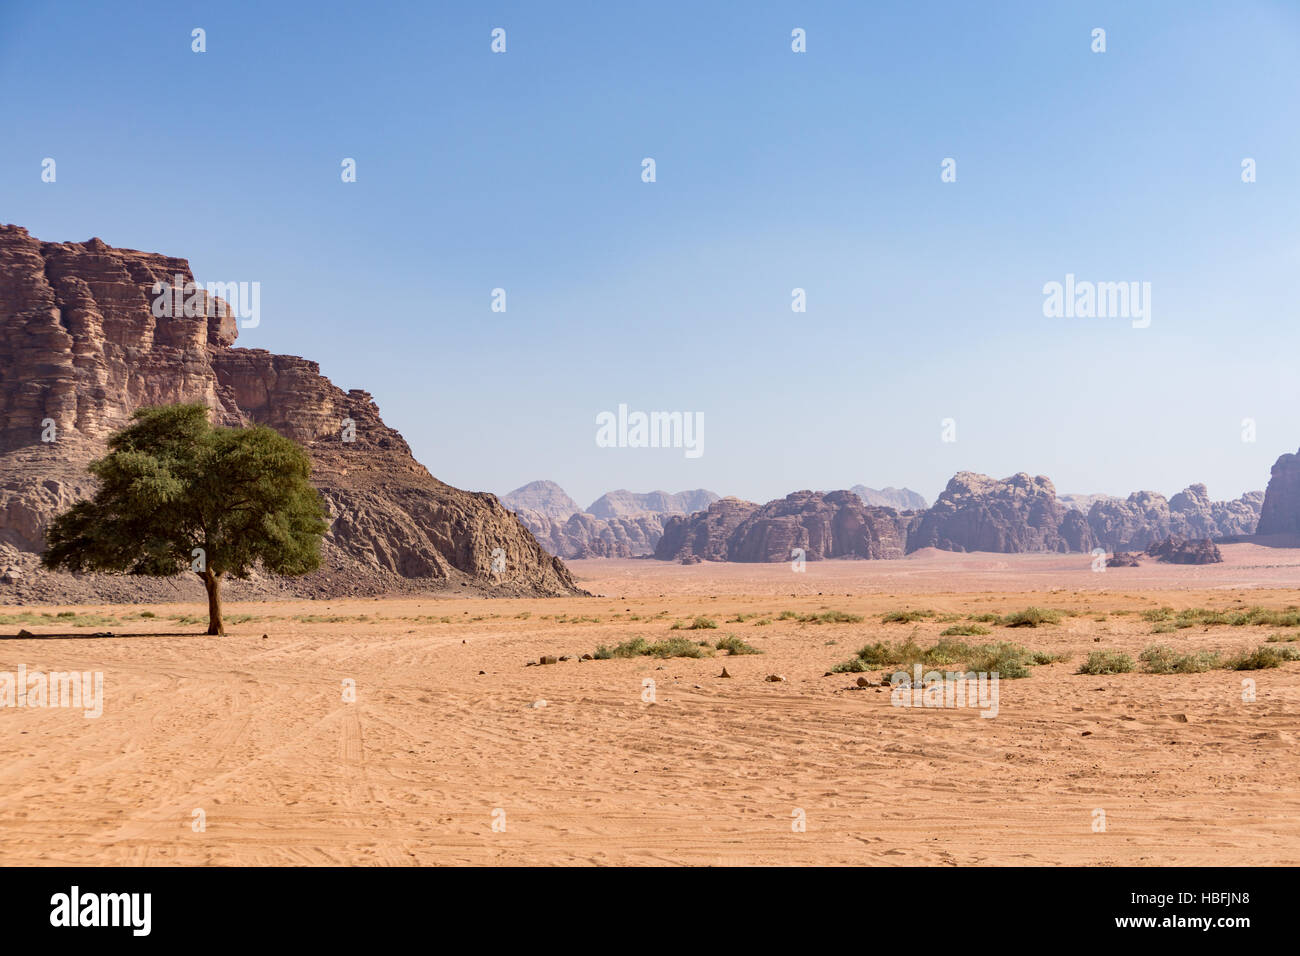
(176, 494)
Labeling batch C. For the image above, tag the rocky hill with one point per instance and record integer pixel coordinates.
(1280, 512)
(82, 350)
(1020, 513)
(620, 524)
(1145, 518)
(835, 524)
(543, 497)
(900, 499)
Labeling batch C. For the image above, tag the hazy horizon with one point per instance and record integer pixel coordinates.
(775, 171)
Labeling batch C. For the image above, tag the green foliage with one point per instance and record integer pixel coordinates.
(904, 617)
(1163, 659)
(640, 647)
(1261, 658)
(964, 630)
(701, 623)
(171, 483)
(1032, 617)
(734, 646)
(1107, 662)
(1008, 660)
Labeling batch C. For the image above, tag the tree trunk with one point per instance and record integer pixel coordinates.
(213, 584)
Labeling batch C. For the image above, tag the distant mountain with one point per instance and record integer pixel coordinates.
(544, 497)
(621, 503)
(900, 499)
(1020, 513)
(620, 524)
(836, 524)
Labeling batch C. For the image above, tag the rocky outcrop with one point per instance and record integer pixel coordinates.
(621, 503)
(1020, 513)
(1175, 550)
(621, 524)
(821, 525)
(1145, 517)
(545, 498)
(706, 534)
(1280, 512)
(1122, 559)
(585, 536)
(900, 499)
(82, 350)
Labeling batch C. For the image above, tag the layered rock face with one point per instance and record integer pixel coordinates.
(1020, 513)
(900, 499)
(1280, 512)
(621, 503)
(585, 536)
(82, 350)
(706, 534)
(822, 525)
(1145, 517)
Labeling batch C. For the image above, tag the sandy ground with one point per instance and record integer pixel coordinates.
(254, 731)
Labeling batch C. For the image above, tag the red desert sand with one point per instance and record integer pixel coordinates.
(244, 749)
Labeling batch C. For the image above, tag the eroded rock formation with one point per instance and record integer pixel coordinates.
(1020, 513)
(82, 350)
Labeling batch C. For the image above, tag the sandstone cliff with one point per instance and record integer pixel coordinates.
(835, 524)
(1280, 512)
(705, 534)
(1020, 513)
(1145, 517)
(82, 350)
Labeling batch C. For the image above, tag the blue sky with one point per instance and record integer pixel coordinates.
(775, 170)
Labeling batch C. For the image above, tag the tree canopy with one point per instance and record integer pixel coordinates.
(177, 494)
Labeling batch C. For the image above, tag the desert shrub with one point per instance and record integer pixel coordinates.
(1163, 659)
(964, 630)
(734, 646)
(905, 617)
(1107, 662)
(1155, 615)
(831, 617)
(640, 647)
(1255, 660)
(701, 623)
(678, 647)
(1032, 617)
(631, 648)
(1006, 659)
(1283, 638)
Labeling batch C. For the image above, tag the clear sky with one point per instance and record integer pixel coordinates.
(774, 170)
